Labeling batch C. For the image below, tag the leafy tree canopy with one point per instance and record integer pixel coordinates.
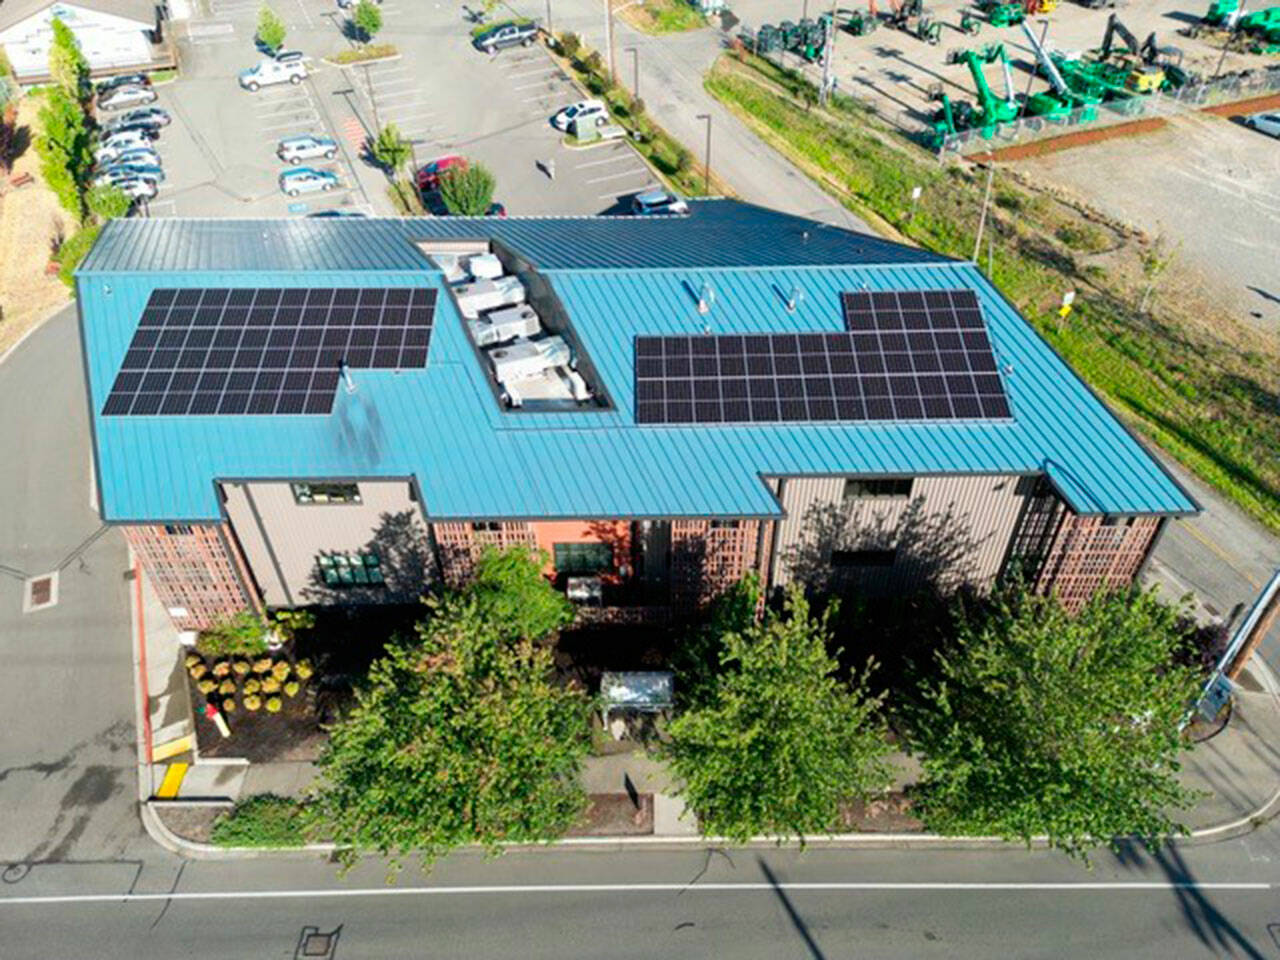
(469, 192)
(782, 743)
(67, 64)
(512, 594)
(1044, 723)
(65, 149)
(108, 201)
(460, 736)
(367, 17)
(271, 29)
(390, 149)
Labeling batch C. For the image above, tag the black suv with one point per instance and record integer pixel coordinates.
(505, 35)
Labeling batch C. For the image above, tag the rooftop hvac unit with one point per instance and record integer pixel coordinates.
(502, 326)
(475, 298)
(528, 358)
(485, 266)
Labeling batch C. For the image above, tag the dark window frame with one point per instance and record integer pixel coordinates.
(878, 488)
(569, 565)
(306, 492)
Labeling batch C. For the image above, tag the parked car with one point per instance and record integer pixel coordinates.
(120, 177)
(306, 147)
(307, 180)
(111, 157)
(137, 187)
(578, 112)
(334, 214)
(122, 139)
(287, 56)
(270, 72)
(496, 210)
(144, 116)
(658, 203)
(143, 131)
(123, 80)
(348, 4)
(596, 126)
(1268, 123)
(503, 35)
(146, 171)
(429, 175)
(120, 97)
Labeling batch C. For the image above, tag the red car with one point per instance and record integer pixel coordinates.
(429, 175)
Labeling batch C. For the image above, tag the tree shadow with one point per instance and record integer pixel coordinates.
(406, 566)
(1210, 926)
(797, 921)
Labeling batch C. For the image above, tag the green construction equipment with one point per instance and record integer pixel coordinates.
(1061, 101)
(1003, 14)
(1222, 14)
(990, 111)
(912, 18)
(1263, 25)
(857, 22)
(970, 24)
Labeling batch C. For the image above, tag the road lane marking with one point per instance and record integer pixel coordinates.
(637, 172)
(629, 888)
(1222, 553)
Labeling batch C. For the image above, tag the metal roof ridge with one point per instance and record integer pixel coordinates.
(758, 268)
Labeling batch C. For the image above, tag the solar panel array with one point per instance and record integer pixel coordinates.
(908, 355)
(265, 351)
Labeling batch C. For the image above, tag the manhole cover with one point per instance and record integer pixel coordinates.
(314, 944)
(41, 592)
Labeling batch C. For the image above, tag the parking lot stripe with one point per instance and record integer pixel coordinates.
(641, 171)
(532, 73)
(615, 158)
(628, 192)
(548, 83)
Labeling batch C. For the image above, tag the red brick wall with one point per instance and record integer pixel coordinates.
(194, 568)
(460, 545)
(706, 560)
(1086, 555)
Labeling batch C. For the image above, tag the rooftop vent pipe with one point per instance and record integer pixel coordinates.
(706, 298)
(794, 299)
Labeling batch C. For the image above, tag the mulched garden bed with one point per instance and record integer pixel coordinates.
(887, 814)
(614, 815)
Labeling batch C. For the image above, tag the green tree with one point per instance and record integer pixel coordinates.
(1044, 723)
(783, 744)
(460, 736)
(107, 202)
(510, 592)
(65, 149)
(271, 29)
(469, 192)
(67, 65)
(367, 18)
(390, 149)
(73, 251)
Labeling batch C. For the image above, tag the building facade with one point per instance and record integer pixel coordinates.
(335, 412)
(114, 35)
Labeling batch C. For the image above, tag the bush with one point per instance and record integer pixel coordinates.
(271, 29)
(244, 633)
(469, 192)
(71, 253)
(263, 820)
(570, 43)
(274, 704)
(371, 51)
(252, 702)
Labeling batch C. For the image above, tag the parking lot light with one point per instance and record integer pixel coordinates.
(706, 166)
(635, 71)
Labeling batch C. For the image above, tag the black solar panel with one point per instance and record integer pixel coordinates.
(908, 355)
(261, 351)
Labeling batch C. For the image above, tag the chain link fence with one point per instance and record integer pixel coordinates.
(1225, 89)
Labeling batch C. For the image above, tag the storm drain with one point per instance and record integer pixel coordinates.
(40, 593)
(315, 945)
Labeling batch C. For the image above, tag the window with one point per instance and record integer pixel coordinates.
(308, 493)
(724, 524)
(583, 559)
(491, 526)
(1118, 521)
(178, 529)
(855, 489)
(857, 559)
(342, 570)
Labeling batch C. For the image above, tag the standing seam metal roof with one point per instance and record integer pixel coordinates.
(617, 278)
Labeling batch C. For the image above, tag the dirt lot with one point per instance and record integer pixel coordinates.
(1207, 186)
(30, 223)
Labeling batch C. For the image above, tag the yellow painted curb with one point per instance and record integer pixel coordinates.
(172, 748)
(172, 781)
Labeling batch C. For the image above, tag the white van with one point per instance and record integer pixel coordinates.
(272, 71)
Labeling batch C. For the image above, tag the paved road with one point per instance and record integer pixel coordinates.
(742, 903)
(67, 759)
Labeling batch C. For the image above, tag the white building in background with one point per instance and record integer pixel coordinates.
(114, 34)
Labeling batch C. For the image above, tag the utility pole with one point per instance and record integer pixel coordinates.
(1257, 626)
(635, 71)
(707, 160)
(550, 31)
(828, 48)
(982, 219)
(608, 34)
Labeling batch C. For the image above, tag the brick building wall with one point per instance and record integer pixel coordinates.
(709, 556)
(1092, 553)
(195, 569)
(459, 545)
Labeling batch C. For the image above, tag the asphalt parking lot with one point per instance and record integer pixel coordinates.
(442, 94)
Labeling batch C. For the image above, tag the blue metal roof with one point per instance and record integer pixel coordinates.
(443, 425)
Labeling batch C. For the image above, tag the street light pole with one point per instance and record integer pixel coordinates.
(608, 34)
(828, 48)
(706, 182)
(635, 71)
(550, 30)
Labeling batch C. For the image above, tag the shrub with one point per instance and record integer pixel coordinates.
(242, 633)
(252, 701)
(469, 192)
(570, 43)
(222, 668)
(372, 51)
(263, 820)
(240, 666)
(274, 704)
(227, 686)
(73, 251)
(229, 705)
(263, 665)
(270, 684)
(191, 660)
(252, 685)
(206, 686)
(281, 670)
(271, 29)
(291, 688)
(304, 670)
(197, 670)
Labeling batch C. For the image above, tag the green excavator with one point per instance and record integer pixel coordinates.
(990, 111)
(1059, 103)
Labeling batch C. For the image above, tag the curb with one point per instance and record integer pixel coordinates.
(12, 348)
